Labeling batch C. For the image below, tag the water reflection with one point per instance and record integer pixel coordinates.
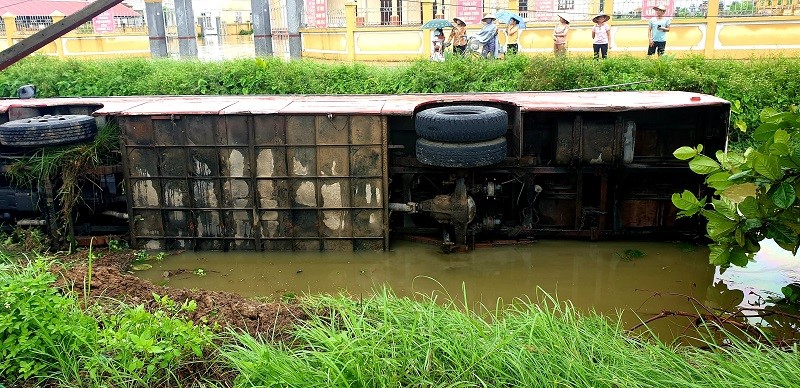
(225, 47)
(763, 278)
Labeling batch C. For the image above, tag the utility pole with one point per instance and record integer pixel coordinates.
(187, 33)
(262, 27)
(293, 9)
(154, 11)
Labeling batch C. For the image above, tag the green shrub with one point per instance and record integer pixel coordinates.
(757, 82)
(45, 336)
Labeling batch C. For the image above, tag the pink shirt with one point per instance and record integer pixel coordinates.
(601, 33)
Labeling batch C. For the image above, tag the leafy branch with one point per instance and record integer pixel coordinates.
(755, 190)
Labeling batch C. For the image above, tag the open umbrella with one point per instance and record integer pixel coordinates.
(437, 23)
(505, 16)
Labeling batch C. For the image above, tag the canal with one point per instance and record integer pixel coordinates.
(638, 279)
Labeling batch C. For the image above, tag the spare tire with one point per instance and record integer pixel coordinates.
(461, 123)
(48, 130)
(476, 154)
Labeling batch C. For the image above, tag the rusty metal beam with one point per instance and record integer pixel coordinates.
(40, 39)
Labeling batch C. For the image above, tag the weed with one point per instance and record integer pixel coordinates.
(117, 245)
(141, 256)
(630, 254)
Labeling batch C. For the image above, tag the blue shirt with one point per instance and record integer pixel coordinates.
(658, 35)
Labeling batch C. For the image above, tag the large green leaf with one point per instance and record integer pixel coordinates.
(719, 180)
(779, 149)
(730, 160)
(741, 174)
(719, 254)
(738, 257)
(752, 223)
(765, 132)
(749, 208)
(718, 225)
(725, 207)
(783, 195)
(782, 234)
(685, 153)
(781, 136)
(687, 202)
(703, 165)
(767, 114)
(767, 166)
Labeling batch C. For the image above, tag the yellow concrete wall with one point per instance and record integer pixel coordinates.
(111, 46)
(331, 44)
(732, 38)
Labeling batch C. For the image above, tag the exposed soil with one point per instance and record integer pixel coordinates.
(110, 280)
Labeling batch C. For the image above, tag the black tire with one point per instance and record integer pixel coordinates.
(48, 130)
(461, 123)
(477, 154)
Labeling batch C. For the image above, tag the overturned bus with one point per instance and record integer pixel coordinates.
(352, 172)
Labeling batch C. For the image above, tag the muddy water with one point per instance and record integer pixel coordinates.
(636, 278)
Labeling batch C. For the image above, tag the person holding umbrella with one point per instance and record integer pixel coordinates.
(601, 33)
(437, 37)
(488, 36)
(458, 36)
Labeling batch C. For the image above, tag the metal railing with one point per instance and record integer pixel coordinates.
(32, 24)
(337, 18)
(632, 9)
(385, 16)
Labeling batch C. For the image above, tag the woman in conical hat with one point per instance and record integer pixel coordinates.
(601, 33)
(488, 36)
(560, 35)
(458, 36)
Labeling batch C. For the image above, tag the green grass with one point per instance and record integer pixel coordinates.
(381, 341)
(391, 341)
(757, 83)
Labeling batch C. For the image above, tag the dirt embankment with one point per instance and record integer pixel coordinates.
(110, 279)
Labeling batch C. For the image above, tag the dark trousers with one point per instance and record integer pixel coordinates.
(512, 48)
(459, 49)
(600, 49)
(657, 46)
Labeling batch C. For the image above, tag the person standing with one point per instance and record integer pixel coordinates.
(488, 36)
(601, 33)
(437, 46)
(560, 35)
(512, 37)
(458, 36)
(657, 33)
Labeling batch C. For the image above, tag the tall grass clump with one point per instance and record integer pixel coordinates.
(391, 341)
(72, 165)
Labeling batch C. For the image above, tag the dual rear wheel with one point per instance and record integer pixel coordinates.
(461, 136)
